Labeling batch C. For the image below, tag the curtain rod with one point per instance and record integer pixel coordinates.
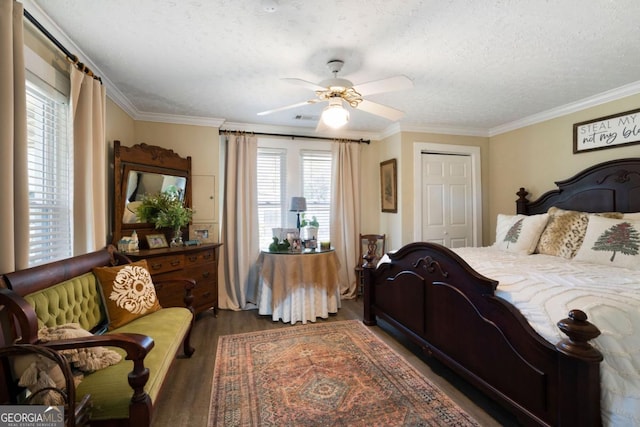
(73, 58)
(286, 135)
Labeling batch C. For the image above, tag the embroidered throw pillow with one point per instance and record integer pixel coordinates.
(565, 231)
(519, 233)
(128, 292)
(611, 242)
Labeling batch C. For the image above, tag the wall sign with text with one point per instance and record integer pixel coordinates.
(607, 132)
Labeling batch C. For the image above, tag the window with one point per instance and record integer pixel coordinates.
(271, 194)
(316, 188)
(49, 174)
(287, 169)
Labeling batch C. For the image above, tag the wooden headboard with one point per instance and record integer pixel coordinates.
(612, 186)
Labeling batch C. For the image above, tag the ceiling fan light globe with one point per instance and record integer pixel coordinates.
(335, 116)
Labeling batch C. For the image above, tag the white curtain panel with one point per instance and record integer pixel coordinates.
(345, 212)
(240, 245)
(88, 101)
(14, 187)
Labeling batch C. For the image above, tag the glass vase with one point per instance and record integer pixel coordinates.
(176, 241)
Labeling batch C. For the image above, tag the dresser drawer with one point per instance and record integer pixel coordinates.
(192, 262)
(170, 294)
(164, 264)
(205, 296)
(205, 293)
(200, 257)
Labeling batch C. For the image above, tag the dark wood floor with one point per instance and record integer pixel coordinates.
(185, 398)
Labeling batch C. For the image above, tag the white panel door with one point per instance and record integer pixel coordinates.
(447, 208)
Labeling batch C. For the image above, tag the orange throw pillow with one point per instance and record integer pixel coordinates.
(128, 292)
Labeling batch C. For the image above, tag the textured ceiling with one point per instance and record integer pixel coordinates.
(476, 65)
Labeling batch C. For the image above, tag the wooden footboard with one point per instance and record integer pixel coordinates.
(433, 297)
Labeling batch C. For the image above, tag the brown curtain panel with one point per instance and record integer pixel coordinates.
(345, 212)
(241, 247)
(88, 102)
(14, 186)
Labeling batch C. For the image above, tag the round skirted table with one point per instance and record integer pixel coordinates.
(298, 286)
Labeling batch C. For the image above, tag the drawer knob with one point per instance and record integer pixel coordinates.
(175, 262)
(193, 258)
(156, 266)
(206, 274)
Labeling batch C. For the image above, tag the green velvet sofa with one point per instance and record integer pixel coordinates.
(68, 292)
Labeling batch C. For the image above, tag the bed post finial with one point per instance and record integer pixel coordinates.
(521, 203)
(580, 331)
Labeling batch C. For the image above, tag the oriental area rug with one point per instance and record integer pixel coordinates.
(324, 374)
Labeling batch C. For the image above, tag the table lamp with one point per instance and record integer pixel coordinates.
(298, 204)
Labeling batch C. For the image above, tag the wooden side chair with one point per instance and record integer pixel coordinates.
(369, 243)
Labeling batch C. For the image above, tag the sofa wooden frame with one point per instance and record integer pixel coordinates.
(20, 326)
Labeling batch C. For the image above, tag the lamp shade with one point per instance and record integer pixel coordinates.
(298, 204)
(335, 115)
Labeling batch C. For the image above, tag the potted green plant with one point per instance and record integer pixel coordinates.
(165, 210)
(309, 228)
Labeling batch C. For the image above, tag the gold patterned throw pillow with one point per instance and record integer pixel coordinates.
(565, 231)
(128, 292)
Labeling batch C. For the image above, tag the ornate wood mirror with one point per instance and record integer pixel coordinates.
(145, 169)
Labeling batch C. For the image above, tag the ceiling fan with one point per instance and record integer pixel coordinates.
(337, 92)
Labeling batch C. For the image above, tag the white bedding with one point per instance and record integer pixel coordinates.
(545, 288)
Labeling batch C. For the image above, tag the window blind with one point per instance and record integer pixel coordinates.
(316, 188)
(50, 177)
(271, 194)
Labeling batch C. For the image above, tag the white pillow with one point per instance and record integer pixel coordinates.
(634, 216)
(519, 233)
(611, 242)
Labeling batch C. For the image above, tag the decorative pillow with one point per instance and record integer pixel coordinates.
(85, 359)
(612, 242)
(565, 231)
(633, 215)
(128, 292)
(36, 372)
(519, 233)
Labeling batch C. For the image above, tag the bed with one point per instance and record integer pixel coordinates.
(470, 321)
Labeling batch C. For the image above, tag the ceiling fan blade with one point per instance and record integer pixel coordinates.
(304, 83)
(390, 84)
(287, 107)
(380, 110)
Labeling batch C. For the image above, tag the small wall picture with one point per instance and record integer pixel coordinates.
(389, 186)
(156, 241)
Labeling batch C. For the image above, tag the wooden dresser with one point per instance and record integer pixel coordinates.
(194, 262)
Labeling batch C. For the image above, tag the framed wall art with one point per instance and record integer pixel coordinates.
(389, 186)
(607, 132)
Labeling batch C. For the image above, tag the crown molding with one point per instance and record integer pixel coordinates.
(179, 120)
(583, 104)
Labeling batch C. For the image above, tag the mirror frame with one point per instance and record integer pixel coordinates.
(143, 158)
